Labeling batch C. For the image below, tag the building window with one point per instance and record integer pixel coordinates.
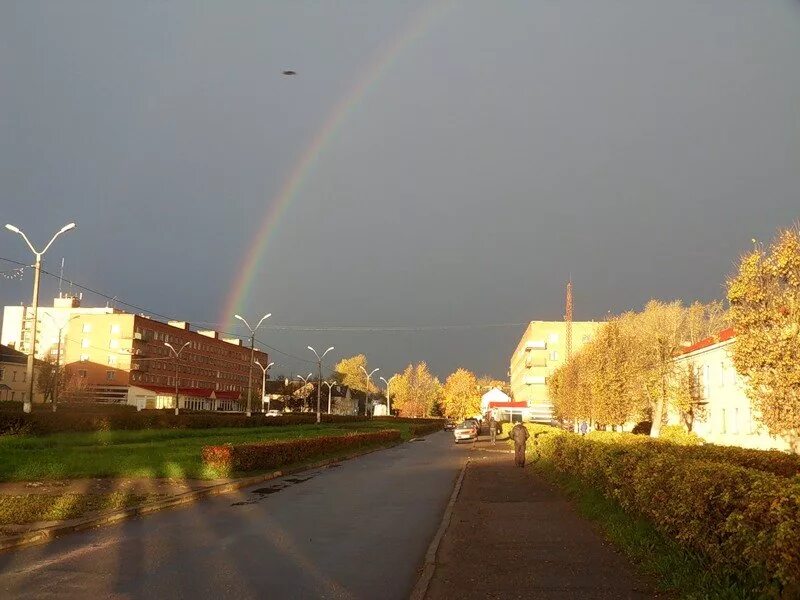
(2, 374)
(109, 375)
(735, 428)
(84, 357)
(553, 338)
(554, 355)
(87, 327)
(706, 377)
(113, 344)
(82, 373)
(85, 343)
(112, 359)
(724, 424)
(722, 374)
(115, 329)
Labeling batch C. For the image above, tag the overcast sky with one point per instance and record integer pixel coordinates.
(638, 145)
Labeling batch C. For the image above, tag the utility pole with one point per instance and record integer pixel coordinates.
(57, 380)
(319, 380)
(264, 382)
(388, 402)
(27, 405)
(330, 386)
(252, 358)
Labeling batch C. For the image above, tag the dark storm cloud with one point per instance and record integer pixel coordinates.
(637, 146)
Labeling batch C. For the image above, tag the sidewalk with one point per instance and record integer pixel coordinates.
(513, 536)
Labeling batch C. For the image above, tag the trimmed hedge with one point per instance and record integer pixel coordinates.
(41, 423)
(229, 458)
(426, 428)
(769, 461)
(744, 522)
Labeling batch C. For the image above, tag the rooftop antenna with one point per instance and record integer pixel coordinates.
(61, 277)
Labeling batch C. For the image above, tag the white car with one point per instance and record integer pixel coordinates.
(273, 413)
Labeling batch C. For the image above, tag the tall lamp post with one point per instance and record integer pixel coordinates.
(177, 355)
(252, 357)
(57, 379)
(366, 393)
(388, 402)
(26, 405)
(305, 379)
(319, 380)
(330, 387)
(264, 382)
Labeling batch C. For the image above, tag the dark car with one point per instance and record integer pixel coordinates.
(449, 425)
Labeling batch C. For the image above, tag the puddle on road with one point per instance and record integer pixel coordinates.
(263, 492)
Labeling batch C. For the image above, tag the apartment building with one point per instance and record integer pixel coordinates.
(13, 375)
(726, 416)
(114, 356)
(541, 350)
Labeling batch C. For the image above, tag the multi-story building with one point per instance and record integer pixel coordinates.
(541, 350)
(13, 375)
(113, 356)
(725, 414)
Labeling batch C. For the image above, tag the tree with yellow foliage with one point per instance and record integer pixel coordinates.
(348, 372)
(461, 397)
(765, 313)
(416, 392)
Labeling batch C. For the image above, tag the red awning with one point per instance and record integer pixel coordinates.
(508, 405)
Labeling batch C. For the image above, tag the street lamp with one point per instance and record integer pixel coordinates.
(366, 393)
(57, 381)
(305, 379)
(319, 381)
(264, 382)
(177, 355)
(252, 356)
(330, 387)
(26, 405)
(388, 403)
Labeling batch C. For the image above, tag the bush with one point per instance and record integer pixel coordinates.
(228, 459)
(642, 428)
(45, 422)
(745, 522)
(678, 435)
(426, 428)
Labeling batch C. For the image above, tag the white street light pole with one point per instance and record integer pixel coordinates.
(26, 405)
(264, 382)
(388, 402)
(319, 380)
(252, 357)
(57, 379)
(177, 355)
(305, 379)
(330, 387)
(366, 393)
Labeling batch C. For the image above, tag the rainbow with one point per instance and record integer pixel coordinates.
(246, 274)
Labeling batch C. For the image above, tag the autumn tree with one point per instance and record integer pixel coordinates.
(461, 395)
(348, 371)
(765, 312)
(416, 392)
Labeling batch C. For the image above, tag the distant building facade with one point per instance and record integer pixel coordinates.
(726, 414)
(13, 375)
(541, 350)
(115, 356)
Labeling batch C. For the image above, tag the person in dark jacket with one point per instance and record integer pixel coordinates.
(519, 433)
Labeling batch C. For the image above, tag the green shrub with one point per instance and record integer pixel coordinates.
(426, 428)
(41, 423)
(227, 459)
(678, 435)
(744, 522)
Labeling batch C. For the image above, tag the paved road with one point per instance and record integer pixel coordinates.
(358, 530)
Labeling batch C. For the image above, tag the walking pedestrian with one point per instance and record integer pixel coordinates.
(584, 427)
(492, 428)
(519, 433)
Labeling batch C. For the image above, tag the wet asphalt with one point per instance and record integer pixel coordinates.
(356, 529)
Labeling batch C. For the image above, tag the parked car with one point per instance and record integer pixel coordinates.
(273, 413)
(476, 422)
(449, 425)
(468, 430)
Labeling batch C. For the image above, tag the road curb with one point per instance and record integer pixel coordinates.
(46, 534)
(421, 588)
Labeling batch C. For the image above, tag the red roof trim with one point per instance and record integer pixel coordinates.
(508, 405)
(722, 336)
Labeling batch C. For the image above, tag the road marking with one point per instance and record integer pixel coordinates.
(69, 555)
(419, 591)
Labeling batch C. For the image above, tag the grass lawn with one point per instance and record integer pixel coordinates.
(147, 453)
